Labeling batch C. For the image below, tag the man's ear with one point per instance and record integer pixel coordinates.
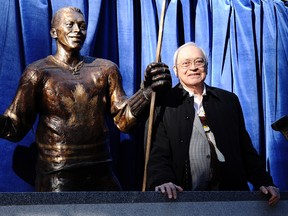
(53, 33)
(175, 70)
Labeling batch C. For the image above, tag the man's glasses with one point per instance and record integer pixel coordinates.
(198, 62)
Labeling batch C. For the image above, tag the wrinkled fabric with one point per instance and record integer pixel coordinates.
(246, 43)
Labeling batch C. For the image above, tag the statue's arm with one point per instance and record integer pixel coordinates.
(20, 116)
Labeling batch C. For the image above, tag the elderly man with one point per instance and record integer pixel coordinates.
(72, 94)
(200, 140)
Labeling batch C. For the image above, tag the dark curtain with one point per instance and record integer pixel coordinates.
(246, 43)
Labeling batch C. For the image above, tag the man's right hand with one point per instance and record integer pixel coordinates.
(169, 189)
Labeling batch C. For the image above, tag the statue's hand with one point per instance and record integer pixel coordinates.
(3, 120)
(157, 77)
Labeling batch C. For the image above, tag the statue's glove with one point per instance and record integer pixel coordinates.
(3, 122)
(157, 77)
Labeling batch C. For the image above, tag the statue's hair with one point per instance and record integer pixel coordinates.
(175, 58)
(57, 15)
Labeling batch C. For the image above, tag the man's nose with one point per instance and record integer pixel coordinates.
(192, 66)
(76, 28)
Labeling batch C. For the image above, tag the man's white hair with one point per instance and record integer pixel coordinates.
(175, 58)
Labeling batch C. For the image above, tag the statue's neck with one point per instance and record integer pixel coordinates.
(71, 57)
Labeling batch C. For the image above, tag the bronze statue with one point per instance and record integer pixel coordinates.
(71, 94)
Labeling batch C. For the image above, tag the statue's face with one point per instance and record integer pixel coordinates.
(71, 30)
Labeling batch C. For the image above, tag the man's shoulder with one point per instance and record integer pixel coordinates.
(223, 95)
(107, 67)
(41, 64)
(33, 71)
(220, 91)
(99, 62)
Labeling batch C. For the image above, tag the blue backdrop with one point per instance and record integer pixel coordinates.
(246, 42)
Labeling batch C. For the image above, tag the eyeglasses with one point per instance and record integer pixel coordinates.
(198, 62)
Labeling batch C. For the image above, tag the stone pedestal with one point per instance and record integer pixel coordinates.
(140, 204)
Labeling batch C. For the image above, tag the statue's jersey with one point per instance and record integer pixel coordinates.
(72, 104)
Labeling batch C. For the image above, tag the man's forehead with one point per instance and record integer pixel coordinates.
(191, 51)
(71, 15)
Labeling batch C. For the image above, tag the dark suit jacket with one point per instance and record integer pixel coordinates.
(169, 157)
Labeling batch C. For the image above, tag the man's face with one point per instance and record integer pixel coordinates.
(71, 30)
(191, 67)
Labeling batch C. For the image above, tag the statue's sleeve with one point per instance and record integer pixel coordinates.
(20, 116)
(126, 111)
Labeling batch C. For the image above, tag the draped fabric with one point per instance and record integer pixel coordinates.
(246, 44)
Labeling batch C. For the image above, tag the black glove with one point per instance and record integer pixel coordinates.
(3, 122)
(157, 77)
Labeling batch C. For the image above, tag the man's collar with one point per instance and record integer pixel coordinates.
(192, 94)
(207, 90)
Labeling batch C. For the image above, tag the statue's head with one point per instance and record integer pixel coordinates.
(68, 27)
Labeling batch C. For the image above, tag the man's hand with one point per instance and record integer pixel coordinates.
(157, 76)
(169, 189)
(273, 191)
